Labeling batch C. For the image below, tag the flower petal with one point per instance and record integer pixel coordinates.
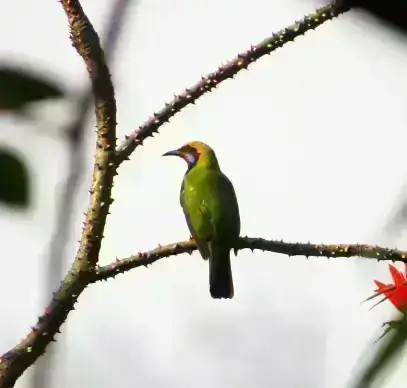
(397, 292)
(397, 276)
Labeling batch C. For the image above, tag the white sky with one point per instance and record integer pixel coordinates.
(313, 138)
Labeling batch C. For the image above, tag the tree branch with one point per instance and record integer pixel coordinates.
(210, 81)
(86, 41)
(76, 155)
(290, 249)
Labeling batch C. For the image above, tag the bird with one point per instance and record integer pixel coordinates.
(211, 210)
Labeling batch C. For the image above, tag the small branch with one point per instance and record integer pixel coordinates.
(142, 259)
(210, 81)
(86, 41)
(290, 249)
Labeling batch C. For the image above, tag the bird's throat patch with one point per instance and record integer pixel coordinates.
(191, 159)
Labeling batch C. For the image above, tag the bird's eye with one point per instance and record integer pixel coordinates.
(188, 149)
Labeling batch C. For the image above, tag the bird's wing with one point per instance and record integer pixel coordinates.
(223, 207)
(229, 205)
(190, 204)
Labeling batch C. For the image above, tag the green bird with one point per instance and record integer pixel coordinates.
(211, 210)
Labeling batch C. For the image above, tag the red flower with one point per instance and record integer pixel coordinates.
(396, 293)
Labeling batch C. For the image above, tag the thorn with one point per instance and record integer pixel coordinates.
(390, 325)
(379, 302)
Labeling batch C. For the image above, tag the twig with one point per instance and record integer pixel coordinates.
(210, 81)
(86, 41)
(290, 249)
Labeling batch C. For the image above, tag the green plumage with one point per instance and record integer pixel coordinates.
(211, 210)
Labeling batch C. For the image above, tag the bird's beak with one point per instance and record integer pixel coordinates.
(173, 153)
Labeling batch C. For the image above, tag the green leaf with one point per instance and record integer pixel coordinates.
(389, 347)
(14, 180)
(18, 88)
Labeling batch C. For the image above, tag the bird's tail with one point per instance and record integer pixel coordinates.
(220, 272)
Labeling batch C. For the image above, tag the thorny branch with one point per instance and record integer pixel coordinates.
(210, 81)
(86, 41)
(76, 155)
(75, 134)
(285, 248)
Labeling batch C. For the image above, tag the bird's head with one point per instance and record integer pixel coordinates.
(195, 152)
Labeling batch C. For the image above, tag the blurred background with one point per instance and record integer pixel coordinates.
(313, 138)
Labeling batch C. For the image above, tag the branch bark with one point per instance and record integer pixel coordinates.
(285, 248)
(86, 41)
